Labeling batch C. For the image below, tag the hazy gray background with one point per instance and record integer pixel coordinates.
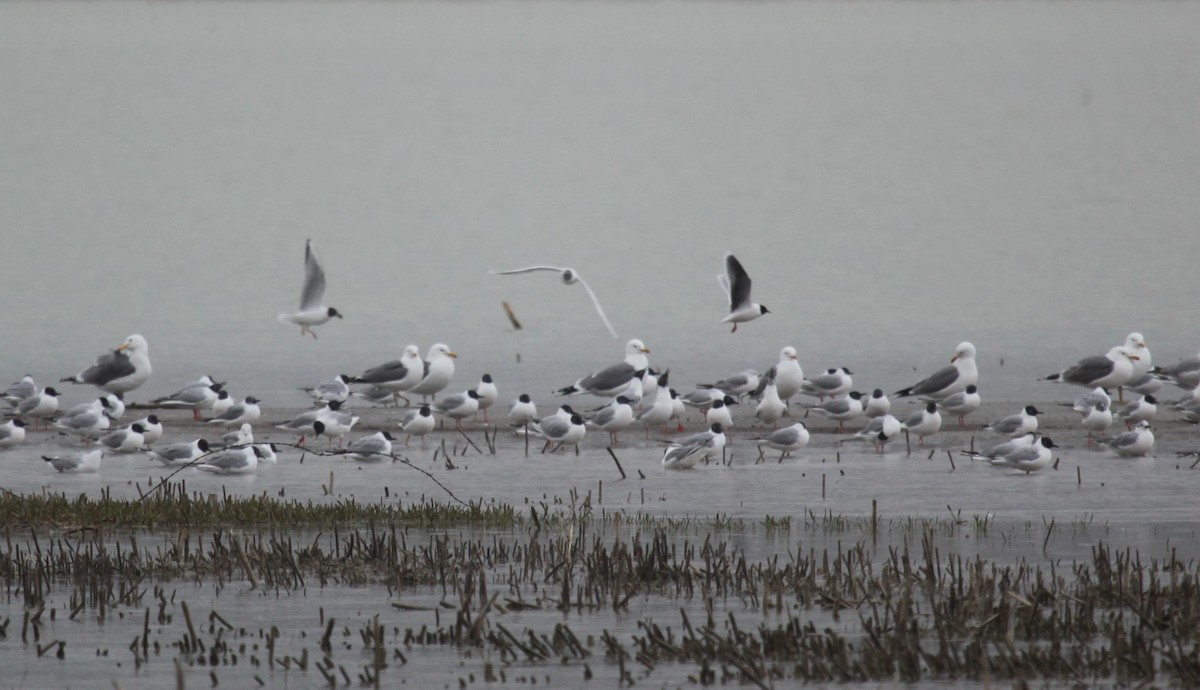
(896, 177)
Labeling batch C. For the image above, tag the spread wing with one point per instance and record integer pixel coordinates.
(736, 283)
(314, 279)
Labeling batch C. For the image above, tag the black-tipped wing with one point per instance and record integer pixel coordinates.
(739, 283)
(1089, 369)
(384, 373)
(938, 381)
(314, 279)
(108, 368)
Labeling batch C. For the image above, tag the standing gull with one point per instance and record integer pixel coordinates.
(569, 276)
(842, 408)
(613, 380)
(925, 422)
(180, 453)
(1018, 424)
(437, 370)
(398, 375)
(961, 403)
(312, 311)
(373, 448)
(1112, 370)
(417, 422)
(20, 390)
(12, 432)
(121, 370)
(949, 380)
(1133, 444)
(196, 396)
(786, 440)
(736, 284)
(1030, 458)
(83, 461)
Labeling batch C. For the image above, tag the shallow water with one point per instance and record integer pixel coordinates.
(897, 177)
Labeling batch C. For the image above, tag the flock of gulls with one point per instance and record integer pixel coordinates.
(633, 394)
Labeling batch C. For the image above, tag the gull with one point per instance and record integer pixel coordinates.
(1023, 441)
(304, 424)
(1018, 424)
(267, 452)
(1098, 418)
(613, 418)
(222, 404)
(180, 453)
(245, 411)
(234, 460)
(459, 406)
(770, 408)
(1030, 458)
(152, 428)
(1090, 399)
(20, 390)
(877, 405)
(373, 448)
(569, 276)
(738, 384)
(684, 453)
(127, 440)
(789, 377)
(376, 395)
(677, 410)
(417, 422)
(41, 405)
(925, 422)
(487, 393)
(961, 403)
(396, 376)
(1146, 384)
(243, 435)
(703, 398)
(832, 383)
(87, 420)
(563, 431)
(736, 284)
(613, 380)
(1144, 364)
(437, 370)
(1141, 410)
(649, 382)
(121, 370)
(1185, 373)
(83, 461)
(334, 424)
(879, 431)
(522, 410)
(196, 396)
(336, 389)
(1112, 370)
(658, 413)
(785, 440)
(948, 380)
(720, 413)
(842, 408)
(312, 311)
(1133, 444)
(12, 432)
(114, 406)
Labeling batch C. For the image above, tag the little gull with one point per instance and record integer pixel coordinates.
(180, 453)
(842, 408)
(962, 403)
(417, 422)
(878, 404)
(373, 448)
(312, 312)
(1028, 458)
(1018, 424)
(83, 461)
(1141, 410)
(736, 284)
(683, 453)
(785, 440)
(926, 422)
(1133, 444)
(12, 433)
(459, 406)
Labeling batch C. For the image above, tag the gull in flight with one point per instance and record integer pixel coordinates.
(736, 284)
(569, 276)
(312, 311)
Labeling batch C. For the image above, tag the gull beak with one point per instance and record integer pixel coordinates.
(646, 350)
(1133, 357)
(954, 359)
(122, 347)
(453, 354)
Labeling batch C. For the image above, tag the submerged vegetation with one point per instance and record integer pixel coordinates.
(560, 588)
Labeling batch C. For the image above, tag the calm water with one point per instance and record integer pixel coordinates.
(897, 177)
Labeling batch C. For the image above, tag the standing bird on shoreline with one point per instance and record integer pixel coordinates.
(613, 380)
(1111, 370)
(569, 276)
(736, 284)
(312, 311)
(947, 381)
(119, 371)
